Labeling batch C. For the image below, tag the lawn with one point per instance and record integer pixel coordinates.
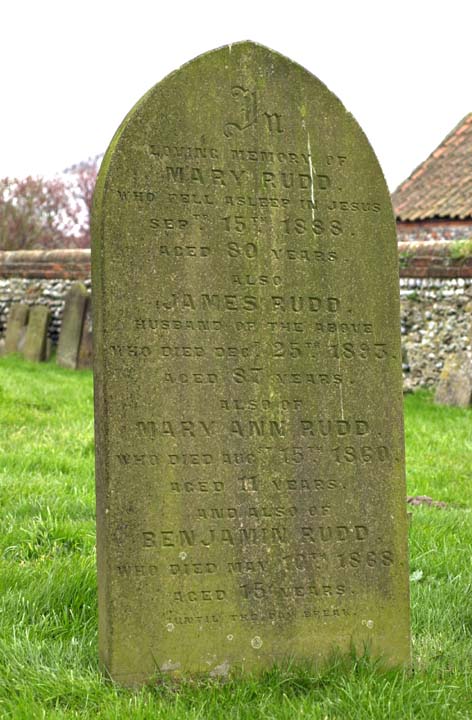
(48, 623)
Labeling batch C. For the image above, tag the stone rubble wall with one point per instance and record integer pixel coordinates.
(436, 320)
(435, 294)
(36, 292)
(41, 277)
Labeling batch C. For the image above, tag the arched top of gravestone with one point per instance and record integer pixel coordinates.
(242, 94)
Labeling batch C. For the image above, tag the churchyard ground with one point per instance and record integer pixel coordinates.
(48, 614)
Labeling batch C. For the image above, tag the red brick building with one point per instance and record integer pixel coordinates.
(435, 202)
(433, 208)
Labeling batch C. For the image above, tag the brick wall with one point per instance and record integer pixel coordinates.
(47, 264)
(433, 259)
(434, 230)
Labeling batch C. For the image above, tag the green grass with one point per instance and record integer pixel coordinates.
(48, 627)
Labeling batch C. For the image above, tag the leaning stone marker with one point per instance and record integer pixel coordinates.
(455, 382)
(250, 464)
(71, 326)
(16, 325)
(34, 347)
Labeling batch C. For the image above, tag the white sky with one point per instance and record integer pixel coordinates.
(70, 71)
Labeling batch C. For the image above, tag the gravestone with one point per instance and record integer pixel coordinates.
(34, 347)
(85, 360)
(249, 443)
(16, 326)
(21, 340)
(455, 382)
(71, 326)
(48, 349)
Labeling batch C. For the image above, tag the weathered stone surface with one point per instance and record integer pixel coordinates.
(455, 382)
(250, 463)
(72, 323)
(21, 340)
(34, 347)
(85, 360)
(17, 321)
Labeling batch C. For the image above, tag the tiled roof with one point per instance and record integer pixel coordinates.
(441, 187)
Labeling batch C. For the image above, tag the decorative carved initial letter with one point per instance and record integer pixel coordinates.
(248, 110)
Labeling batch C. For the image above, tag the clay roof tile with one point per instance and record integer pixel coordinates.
(441, 187)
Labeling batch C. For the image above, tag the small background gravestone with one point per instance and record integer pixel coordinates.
(71, 327)
(34, 347)
(248, 392)
(16, 327)
(455, 382)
